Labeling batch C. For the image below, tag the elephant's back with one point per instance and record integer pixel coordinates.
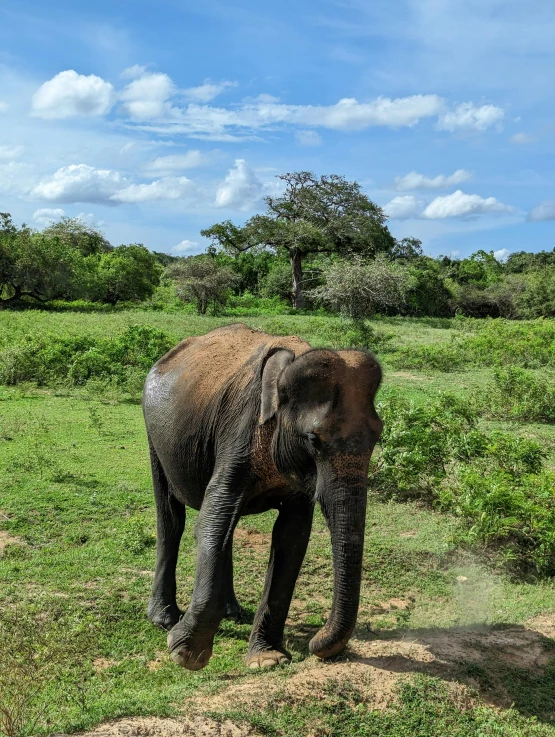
(204, 365)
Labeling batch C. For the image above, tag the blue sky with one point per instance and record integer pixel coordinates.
(155, 120)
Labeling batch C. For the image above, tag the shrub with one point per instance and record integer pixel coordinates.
(519, 394)
(48, 360)
(495, 482)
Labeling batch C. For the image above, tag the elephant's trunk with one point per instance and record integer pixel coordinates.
(343, 500)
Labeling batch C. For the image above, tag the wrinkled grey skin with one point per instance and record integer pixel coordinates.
(240, 422)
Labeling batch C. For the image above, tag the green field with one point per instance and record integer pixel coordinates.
(450, 640)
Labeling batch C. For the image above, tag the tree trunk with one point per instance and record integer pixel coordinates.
(295, 256)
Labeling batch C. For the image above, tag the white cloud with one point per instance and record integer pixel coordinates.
(241, 187)
(404, 207)
(414, 180)
(469, 116)
(544, 211)
(308, 138)
(80, 183)
(45, 215)
(522, 138)
(176, 162)
(347, 114)
(460, 204)
(15, 177)
(186, 247)
(69, 94)
(502, 254)
(207, 90)
(137, 70)
(10, 152)
(3, 106)
(146, 98)
(168, 188)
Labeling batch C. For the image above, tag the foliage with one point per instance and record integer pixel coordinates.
(48, 359)
(204, 280)
(519, 394)
(495, 482)
(35, 654)
(326, 214)
(76, 234)
(357, 288)
(128, 273)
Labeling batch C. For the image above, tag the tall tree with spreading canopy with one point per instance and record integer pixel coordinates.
(325, 214)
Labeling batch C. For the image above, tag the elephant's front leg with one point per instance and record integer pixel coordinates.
(289, 542)
(191, 640)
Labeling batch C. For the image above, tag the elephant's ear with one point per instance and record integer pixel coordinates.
(272, 369)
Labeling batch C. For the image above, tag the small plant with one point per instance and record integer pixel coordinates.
(138, 537)
(36, 652)
(519, 394)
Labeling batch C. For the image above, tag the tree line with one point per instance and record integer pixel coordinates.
(321, 242)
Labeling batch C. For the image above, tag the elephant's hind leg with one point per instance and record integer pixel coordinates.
(162, 607)
(232, 607)
(289, 542)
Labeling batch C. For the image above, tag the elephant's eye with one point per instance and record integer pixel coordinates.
(314, 441)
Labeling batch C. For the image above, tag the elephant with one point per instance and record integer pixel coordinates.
(240, 422)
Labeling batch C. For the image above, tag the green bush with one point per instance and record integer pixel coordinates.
(494, 481)
(519, 394)
(49, 360)
(436, 357)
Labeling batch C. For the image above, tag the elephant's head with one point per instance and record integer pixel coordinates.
(326, 429)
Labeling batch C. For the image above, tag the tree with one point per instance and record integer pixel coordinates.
(407, 249)
(202, 279)
(35, 265)
(326, 214)
(76, 233)
(128, 273)
(358, 288)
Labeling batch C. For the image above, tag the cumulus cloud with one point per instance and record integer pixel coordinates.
(176, 162)
(137, 70)
(207, 90)
(45, 215)
(471, 117)
(308, 138)
(544, 211)
(404, 207)
(502, 255)
(460, 204)
(167, 188)
(7, 153)
(414, 180)
(240, 189)
(147, 97)
(80, 183)
(522, 138)
(185, 246)
(69, 94)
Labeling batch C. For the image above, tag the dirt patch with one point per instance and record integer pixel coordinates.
(472, 663)
(408, 375)
(153, 727)
(251, 538)
(544, 624)
(7, 539)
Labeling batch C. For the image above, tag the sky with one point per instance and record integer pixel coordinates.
(153, 120)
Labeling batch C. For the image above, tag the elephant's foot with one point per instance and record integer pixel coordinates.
(190, 649)
(233, 610)
(260, 658)
(163, 614)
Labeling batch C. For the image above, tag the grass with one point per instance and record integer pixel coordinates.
(77, 514)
